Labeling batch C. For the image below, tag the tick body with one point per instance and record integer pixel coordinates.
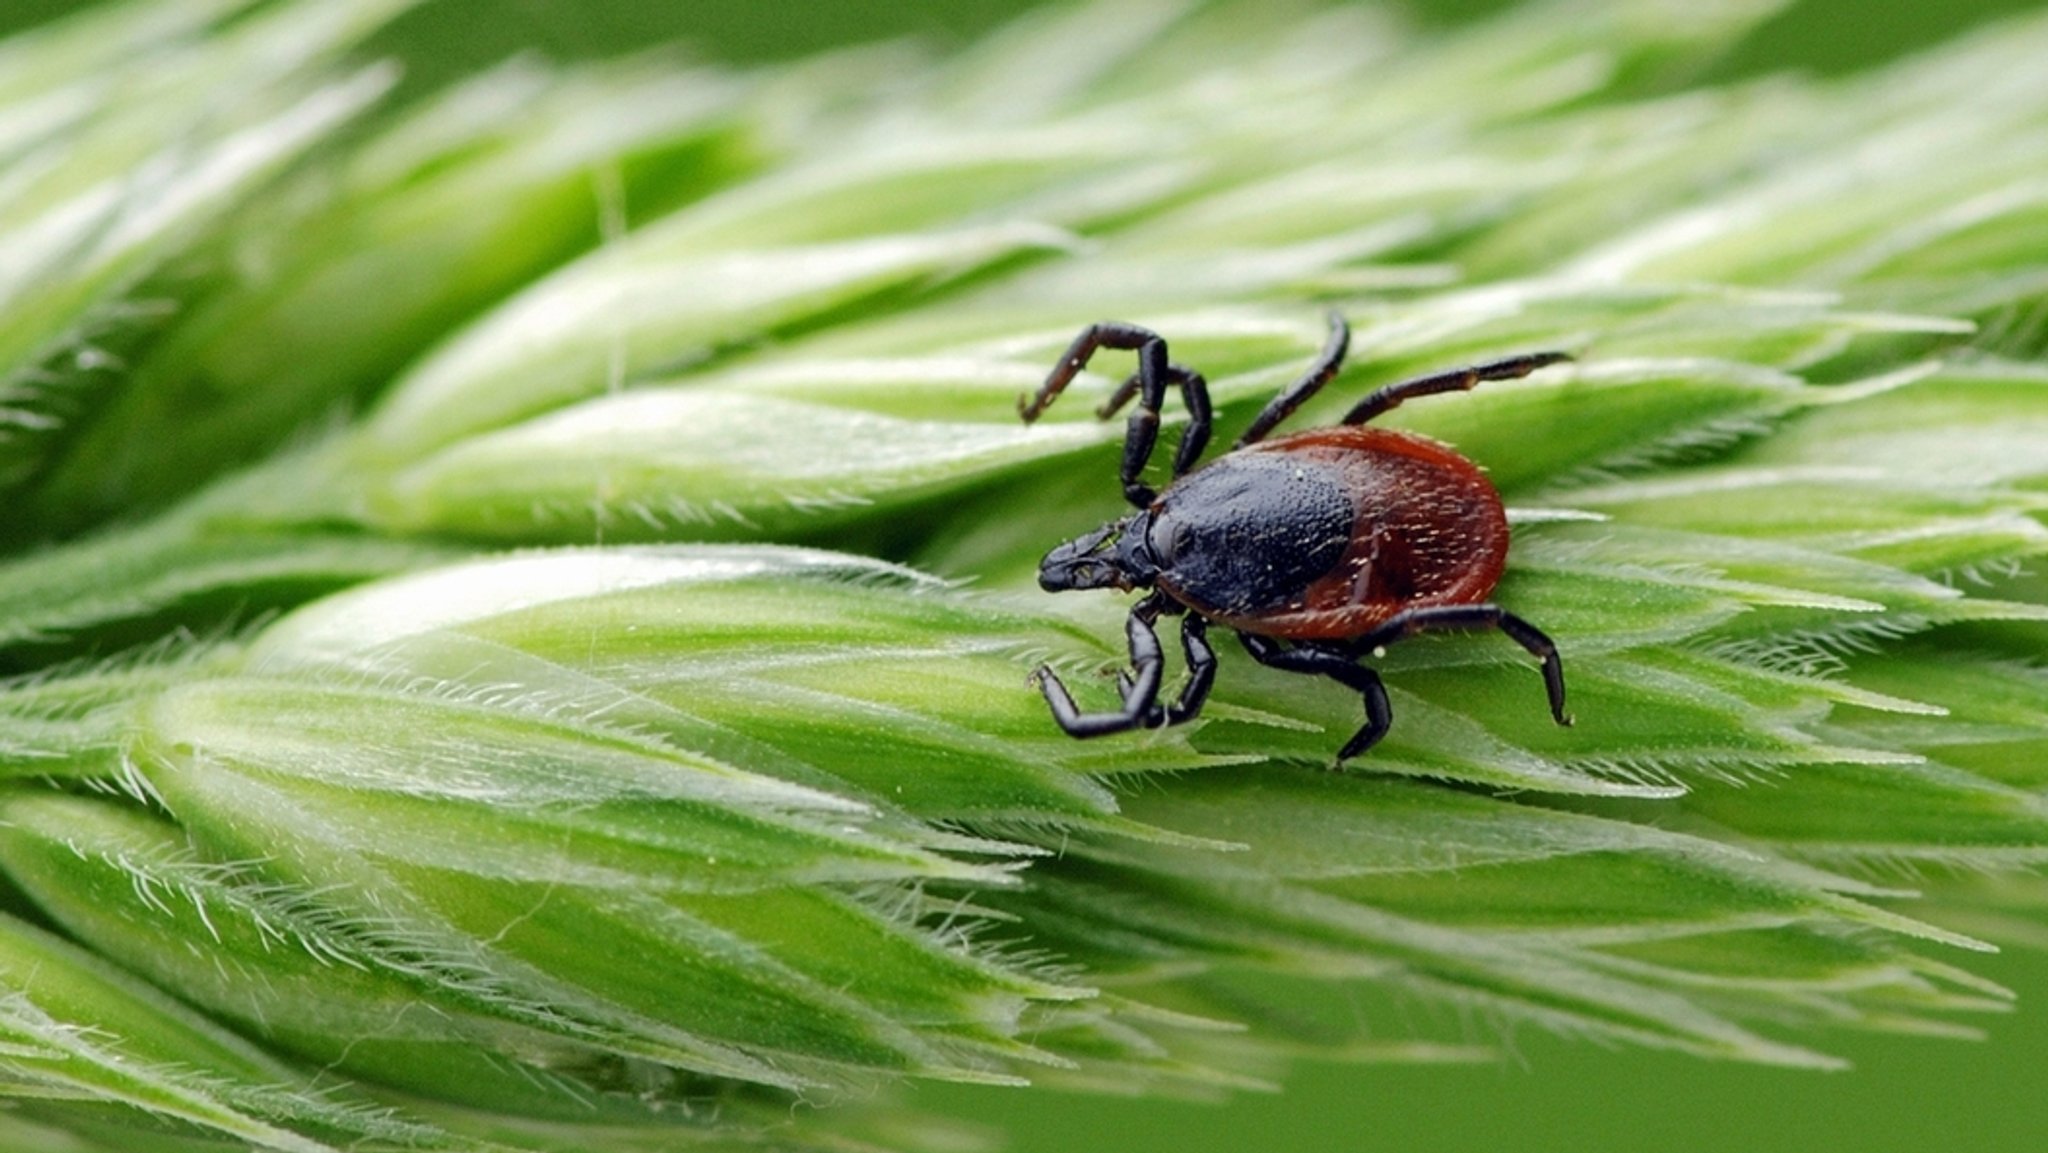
(1316, 548)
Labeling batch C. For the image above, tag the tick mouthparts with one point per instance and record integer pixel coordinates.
(1077, 564)
(1113, 556)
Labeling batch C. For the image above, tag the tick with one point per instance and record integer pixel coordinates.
(1317, 548)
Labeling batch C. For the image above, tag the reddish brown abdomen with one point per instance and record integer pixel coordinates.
(1427, 529)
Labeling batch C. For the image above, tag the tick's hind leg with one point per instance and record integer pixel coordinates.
(1456, 380)
(1339, 667)
(1140, 687)
(1481, 616)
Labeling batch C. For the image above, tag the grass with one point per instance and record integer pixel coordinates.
(520, 599)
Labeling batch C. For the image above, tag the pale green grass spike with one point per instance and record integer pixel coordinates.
(518, 603)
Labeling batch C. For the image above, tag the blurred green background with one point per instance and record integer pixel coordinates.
(1552, 1094)
(447, 37)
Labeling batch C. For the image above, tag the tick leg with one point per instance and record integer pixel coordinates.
(1141, 431)
(1122, 396)
(1340, 667)
(1194, 391)
(1480, 616)
(1140, 692)
(1107, 334)
(1295, 395)
(1194, 642)
(1456, 380)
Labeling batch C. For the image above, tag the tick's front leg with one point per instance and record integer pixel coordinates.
(1140, 691)
(1105, 334)
(1149, 384)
